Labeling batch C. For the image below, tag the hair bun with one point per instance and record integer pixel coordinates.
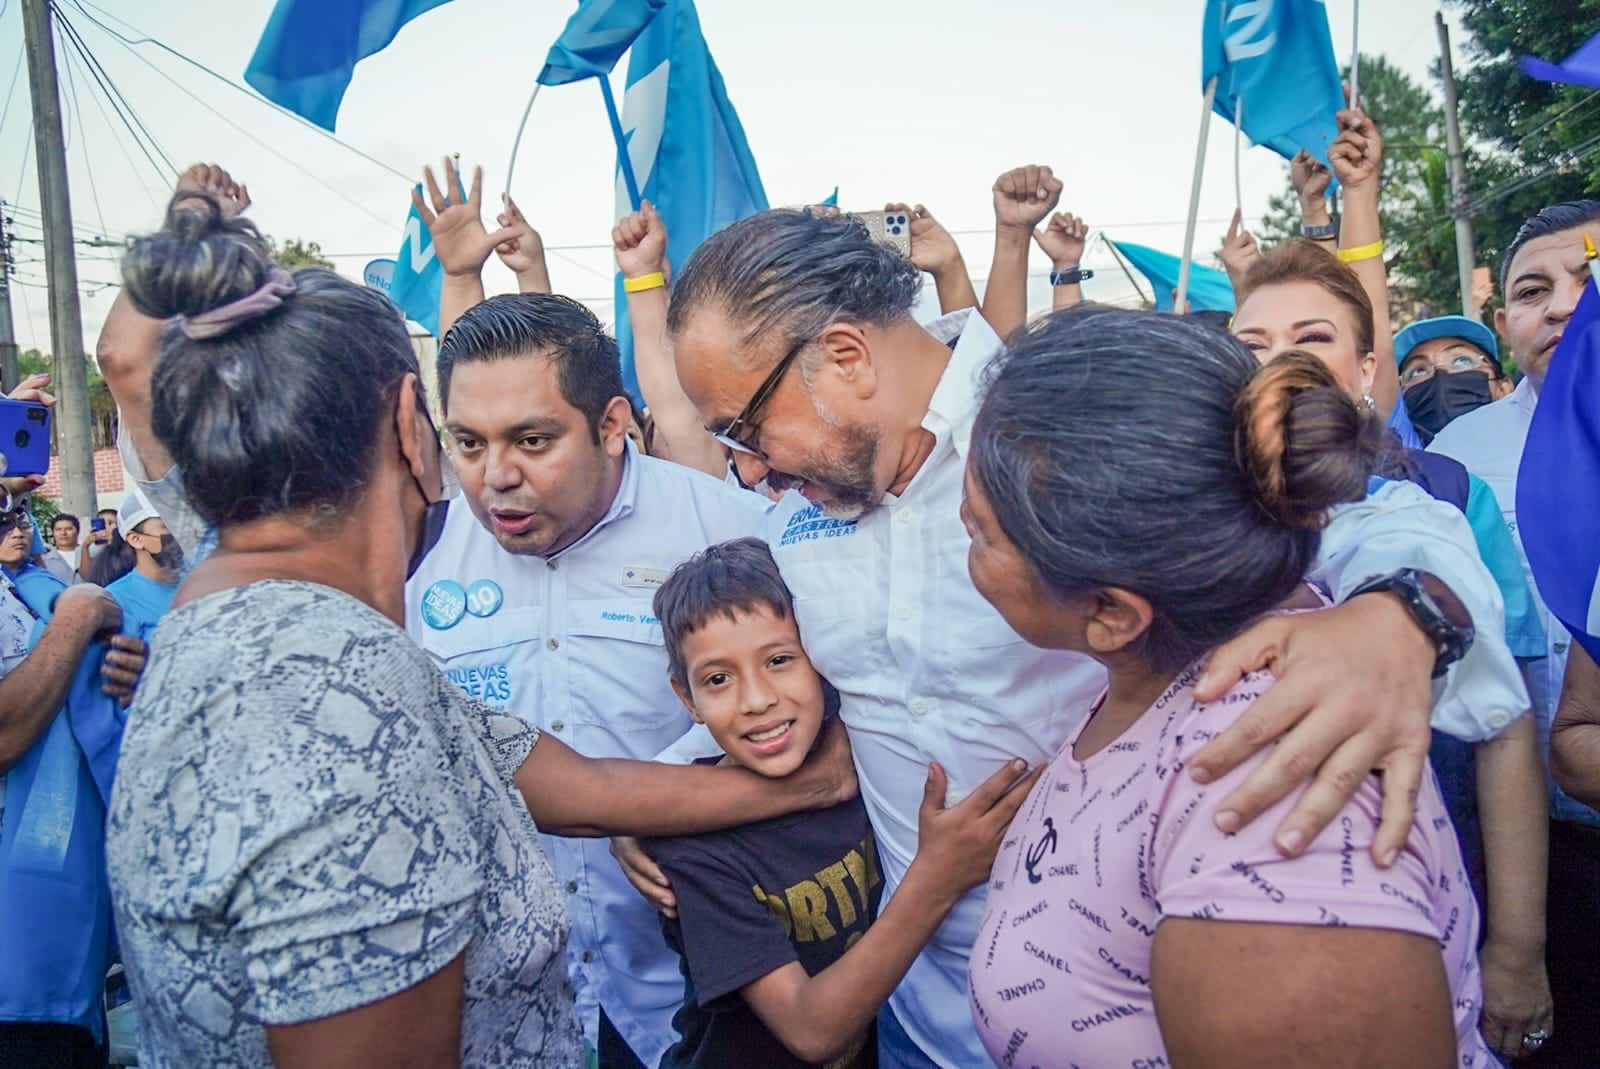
(196, 262)
(1302, 443)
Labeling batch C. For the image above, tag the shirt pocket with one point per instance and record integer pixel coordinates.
(491, 658)
(839, 607)
(617, 679)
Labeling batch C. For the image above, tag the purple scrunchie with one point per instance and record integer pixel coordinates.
(219, 321)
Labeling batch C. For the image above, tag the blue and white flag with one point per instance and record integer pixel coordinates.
(1558, 482)
(677, 135)
(1209, 289)
(417, 281)
(1580, 68)
(1277, 76)
(310, 49)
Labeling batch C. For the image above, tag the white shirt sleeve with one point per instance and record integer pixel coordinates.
(1401, 526)
(693, 745)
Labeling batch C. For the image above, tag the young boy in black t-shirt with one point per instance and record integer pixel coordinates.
(781, 966)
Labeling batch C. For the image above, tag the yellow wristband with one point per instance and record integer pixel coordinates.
(653, 281)
(1362, 252)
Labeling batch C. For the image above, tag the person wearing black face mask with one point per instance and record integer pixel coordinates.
(146, 592)
(1449, 365)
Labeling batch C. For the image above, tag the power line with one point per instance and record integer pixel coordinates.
(119, 103)
(144, 38)
(11, 92)
(335, 190)
(22, 172)
(83, 137)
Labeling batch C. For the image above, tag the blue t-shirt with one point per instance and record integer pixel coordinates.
(144, 602)
(1400, 423)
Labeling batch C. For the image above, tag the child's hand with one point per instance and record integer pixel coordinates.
(957, 845)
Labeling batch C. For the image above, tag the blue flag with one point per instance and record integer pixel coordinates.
(310, 49)
(1209, 289)
(678, 136)
(1558, 482)
(1580, 68)
(417, 281)
(1277, 77)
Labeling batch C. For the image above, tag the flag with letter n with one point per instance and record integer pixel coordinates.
(417, 281)
(309, 50)
(678, 131)
(1558, 481)
(1277, 77)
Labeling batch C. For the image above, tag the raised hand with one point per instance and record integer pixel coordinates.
(211, 180)
(640, 241)
(1239, 249)
(1063, 239)
(525, 252)
(1310, 177)
(1357, 153)
(459, 238)
(1023, 196)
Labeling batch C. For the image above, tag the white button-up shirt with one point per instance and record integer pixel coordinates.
(929, 671)
(569, 643)
(1488, 442)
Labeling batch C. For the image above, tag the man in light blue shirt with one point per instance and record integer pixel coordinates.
(146, 593)
(537, 600)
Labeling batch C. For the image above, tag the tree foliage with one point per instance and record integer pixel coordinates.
(296, 253)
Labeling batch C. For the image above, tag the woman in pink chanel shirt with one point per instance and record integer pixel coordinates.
(1138, 490)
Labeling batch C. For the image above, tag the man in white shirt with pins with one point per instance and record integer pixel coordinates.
(794, 339)
(537, 599)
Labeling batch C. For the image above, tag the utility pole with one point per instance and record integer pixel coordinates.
(1466, 252)
(70, 382)
(9, 374)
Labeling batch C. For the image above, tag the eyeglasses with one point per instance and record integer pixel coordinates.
(742, 434)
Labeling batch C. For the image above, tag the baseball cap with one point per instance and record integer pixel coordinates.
(134, 510)
(1423, 330)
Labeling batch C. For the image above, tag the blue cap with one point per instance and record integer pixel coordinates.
(1422, 330)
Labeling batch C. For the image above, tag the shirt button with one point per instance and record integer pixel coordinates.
(919, 706)
(1560, 647)
(904, 612)
(554, 643)
(550, 564)
(572, 887)
(558, 725)
(1499, 719)
(587, 955)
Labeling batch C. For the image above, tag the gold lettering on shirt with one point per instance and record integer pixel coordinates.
(779, 908)
(808, 905)
(833, 878)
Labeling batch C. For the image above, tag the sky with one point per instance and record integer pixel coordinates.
(916, 100)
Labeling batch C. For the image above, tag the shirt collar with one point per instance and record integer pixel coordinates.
(955, 401)
(622, 504)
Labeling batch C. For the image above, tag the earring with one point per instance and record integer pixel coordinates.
(1369, 404)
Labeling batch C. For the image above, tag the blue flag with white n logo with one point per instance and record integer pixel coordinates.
(678, 130)
(1277, 76)
(417, 281)
(309, 50)
(1558, 481)
(1209, 289)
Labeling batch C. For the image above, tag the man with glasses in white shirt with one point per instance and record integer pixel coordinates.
(537, 599)
(794, 339)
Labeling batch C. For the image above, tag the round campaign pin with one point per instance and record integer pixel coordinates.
(484, 598)
(444, 604)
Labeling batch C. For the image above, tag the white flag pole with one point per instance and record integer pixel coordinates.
(1194, 199)
(516, 144)
(1238, 141)
(1355, 53)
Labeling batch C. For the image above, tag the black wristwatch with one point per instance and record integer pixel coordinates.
(1450, 639)
(1319, 231)
(1069, 276)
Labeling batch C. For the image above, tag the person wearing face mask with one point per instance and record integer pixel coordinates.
(1449, 366)
(1543, 276)
(146, 592)
(320, 850)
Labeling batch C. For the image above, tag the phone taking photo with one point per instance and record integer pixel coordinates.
(890, 228)
(25, 436)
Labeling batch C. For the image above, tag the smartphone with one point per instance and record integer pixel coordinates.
(891, 228)
(97, 524)
(25, 436)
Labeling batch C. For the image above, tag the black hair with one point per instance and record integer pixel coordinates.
(795, 272)
(1546, 221)
(1149, 452)
(588, 364)
(113, 562)
(727, 578)
(282, 412)
(67, 517)
(107, 512)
